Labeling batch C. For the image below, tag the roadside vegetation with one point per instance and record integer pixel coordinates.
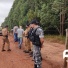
(48, 12)
(55, 38)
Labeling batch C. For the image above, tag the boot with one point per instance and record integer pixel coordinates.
(26, 51)
(35, 66)
(31, 54)
(3, 50)
(19, 47)
(9, 50)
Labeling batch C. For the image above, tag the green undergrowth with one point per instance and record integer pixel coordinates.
(55, 38)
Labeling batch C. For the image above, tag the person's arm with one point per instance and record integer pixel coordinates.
(23, 32)
(41, 36)
(17, 31)
(13, 31)
(42, 41)
(8, 33)
(2, 31)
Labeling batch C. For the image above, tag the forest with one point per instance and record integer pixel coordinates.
(52, 14)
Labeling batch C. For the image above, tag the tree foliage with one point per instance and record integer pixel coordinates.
(47, 10)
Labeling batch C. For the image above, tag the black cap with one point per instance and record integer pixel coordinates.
(35, 22)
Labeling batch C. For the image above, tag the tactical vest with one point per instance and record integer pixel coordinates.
(36, 40)
(30, 34)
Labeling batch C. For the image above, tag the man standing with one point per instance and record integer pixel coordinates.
(37, 41)
(15, 33)
(29, 37)
(20, 32)
(5, 38)
(26, 40)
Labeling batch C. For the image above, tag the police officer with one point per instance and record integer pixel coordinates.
(37, 41)
(29, 36)
(5, 38)
(27, 43)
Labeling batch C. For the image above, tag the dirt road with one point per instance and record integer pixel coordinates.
(51, 53)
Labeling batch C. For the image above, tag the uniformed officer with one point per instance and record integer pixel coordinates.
(27, 42)
(5, 38)
(29, 36)
(37, 41)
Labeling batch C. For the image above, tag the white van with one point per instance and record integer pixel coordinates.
(0, 31)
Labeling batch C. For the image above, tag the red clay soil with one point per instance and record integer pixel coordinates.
(52, 54)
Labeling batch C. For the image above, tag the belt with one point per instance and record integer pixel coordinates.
(5, 35)
(26, 36)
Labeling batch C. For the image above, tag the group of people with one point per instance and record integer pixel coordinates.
(32, 38)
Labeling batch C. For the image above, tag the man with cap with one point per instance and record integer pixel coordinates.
(37, 41)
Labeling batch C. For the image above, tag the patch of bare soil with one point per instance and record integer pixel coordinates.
(52, 54)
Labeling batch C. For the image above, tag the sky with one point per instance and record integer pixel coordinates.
(5, 6)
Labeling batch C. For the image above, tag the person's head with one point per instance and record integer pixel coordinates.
(27, 25)
(6, 26)
(34, 23)
(20, 27)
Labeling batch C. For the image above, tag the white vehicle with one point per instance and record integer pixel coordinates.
(0, 31)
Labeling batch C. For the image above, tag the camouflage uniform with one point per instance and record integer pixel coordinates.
(37, 49)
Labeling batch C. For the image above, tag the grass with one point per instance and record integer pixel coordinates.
(55, 38)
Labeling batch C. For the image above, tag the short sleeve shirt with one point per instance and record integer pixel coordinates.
(20, 32)
(40, 32)
(15, 29)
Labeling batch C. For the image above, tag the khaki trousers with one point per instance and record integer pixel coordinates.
(27, 44)
(5, 40)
